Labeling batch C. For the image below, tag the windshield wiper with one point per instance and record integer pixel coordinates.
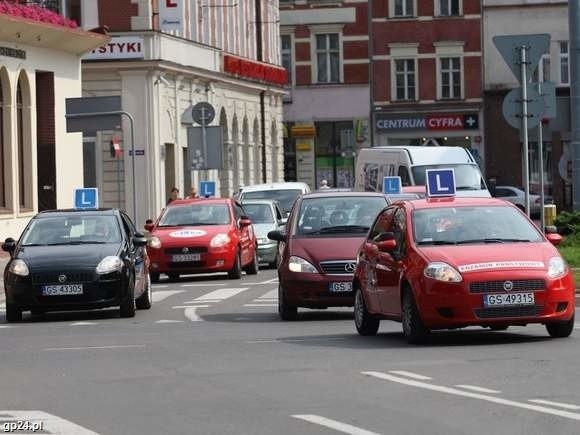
(437, 242)
(344, 229)
(493, 240)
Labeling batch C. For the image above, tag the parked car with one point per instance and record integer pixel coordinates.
(318, 249)
(200, 236)
(457, 263)
(516, 195)
(77, 260)
(266, 216)
(284, 193)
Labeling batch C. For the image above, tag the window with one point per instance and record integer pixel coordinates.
(450, 72)
(449, 8)
(20, 127)
(286, 54)
(404, 174)
(399, 229)
(382, 224)
(542, 73)
(328, 58)
(405, 79)
(403, 8)
(564, 63)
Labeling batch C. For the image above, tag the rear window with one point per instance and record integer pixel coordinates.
(286, 197)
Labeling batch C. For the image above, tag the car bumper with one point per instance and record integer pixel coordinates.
(312, 290)
(444, 305)
(267, 253)
(214, 261)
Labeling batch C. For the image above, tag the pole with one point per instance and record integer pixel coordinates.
(523, 49)
(118, 182)
(541, 164)
(574, 47)
(371, 76)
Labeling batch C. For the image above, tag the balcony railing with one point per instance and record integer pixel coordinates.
(53, 5)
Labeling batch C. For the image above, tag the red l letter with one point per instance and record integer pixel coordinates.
(170, 4)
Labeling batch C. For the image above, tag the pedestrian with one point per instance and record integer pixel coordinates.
(193, 193)
(324, 185)
(173, 195)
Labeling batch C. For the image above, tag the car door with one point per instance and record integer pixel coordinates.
(246, 234)
(136, 254)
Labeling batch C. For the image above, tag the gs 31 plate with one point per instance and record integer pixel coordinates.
(62, 290)
(185, 257)
(341, 287)
(506, 299)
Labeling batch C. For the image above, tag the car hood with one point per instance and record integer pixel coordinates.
(317, 249)
(262, 230)
(177, 236)
(474, 258)
(69, 256)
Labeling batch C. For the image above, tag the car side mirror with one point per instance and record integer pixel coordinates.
(149, 225)
(554, 238)
(387, 245)
(277, 236)
(245, 222)
(139, 240)
(9, 245)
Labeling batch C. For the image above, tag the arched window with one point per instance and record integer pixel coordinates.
(2, 148)
(24, 148)
(20, 131)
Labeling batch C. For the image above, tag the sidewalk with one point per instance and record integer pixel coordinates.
(4, 257)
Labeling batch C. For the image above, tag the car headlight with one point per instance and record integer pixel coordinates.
(556, 267)
(19, 267)
(442, 272)
(110, 264)
(219, 241)
(264, 241)
(154, 242)
(297, 264)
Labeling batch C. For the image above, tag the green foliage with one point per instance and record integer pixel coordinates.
(568, 223)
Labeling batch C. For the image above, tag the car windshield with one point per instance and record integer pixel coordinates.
(467, 177)
(286, 197)
(259, 213)
(195, 214)
(71, 230)
(338, 214)
(472, 225)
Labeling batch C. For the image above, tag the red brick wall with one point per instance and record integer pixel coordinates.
(117, 14)
(356, 74)
(45, 108)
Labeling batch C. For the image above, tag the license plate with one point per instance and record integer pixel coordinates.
(186, 257)
(341, 287)
(62, 290)
(508, 299)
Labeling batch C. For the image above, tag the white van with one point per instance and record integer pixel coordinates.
(410, 163)
(285, 193)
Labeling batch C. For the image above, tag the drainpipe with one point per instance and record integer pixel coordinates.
(371, 76)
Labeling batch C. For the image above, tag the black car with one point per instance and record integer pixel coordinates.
(77, 260)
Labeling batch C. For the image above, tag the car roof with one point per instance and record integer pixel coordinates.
(261, 201)
(199, 201)
(427, 203)
(69, 211)
(287, 185)
(334, 194)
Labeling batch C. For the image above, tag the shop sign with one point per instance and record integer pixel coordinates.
(255, 70)
(12, 52)
(434, 122)
(120, 47)
(171, 14)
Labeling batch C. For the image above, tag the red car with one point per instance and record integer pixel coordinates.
(318, 249)
(201, 236)
(451, 263)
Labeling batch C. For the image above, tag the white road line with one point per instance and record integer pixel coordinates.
(411, 375)
(181, 307)
(333, 424)
(82, 323)
(455, 392)
(158, 296)
(125, 346)
(270, 281)
(7, 326)
(260, 305)
(557, 404)
(205, 301)
(159, 286)
(191, 314)
(272, 294)
(169, 321)
(50, 423)
(203, 285)
(221, 294)
(478, 389)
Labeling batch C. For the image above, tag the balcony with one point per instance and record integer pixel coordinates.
(53, 5)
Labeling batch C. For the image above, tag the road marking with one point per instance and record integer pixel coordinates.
(124, 346)
(169, 321)
(557, 404)
(411, 375)
(205, 301)
(333, 424)
(191, 314)
(82, 323)
(202, 285)
(159, 286)
(270, 281)
(478, 389)
(455, 392)
(181, 307)
(7, 326)
(260, 305)
(158, 296)
(50, 423)
(221, 294)
(272, 294)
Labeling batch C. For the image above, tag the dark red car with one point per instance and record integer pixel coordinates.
(318, 249)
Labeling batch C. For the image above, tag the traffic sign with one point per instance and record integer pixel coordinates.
(87, 198)
(512, 107)
(392, 185)
(203, 113)
(510, 47)
(440, 182)
(207, 188)
(548, 92)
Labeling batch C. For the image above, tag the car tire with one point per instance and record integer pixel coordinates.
(363, 320)
(154, 277)
(236, 272)
(286, 311)
(253, 267)
(128, 305)
(414, 330)
(145, 301)
(173, 276)
(559, 329)
(499, 327)
(13, 313)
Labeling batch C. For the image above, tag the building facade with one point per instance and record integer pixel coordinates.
(40, 67)
(504, 159)
(164, 57)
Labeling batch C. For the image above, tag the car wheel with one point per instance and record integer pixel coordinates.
(173, 276)
(364, 322)
(128, 307)
(555, 329)
(13, 313)
(499, 327)
(253, 267)
(145, 301)
(413, 328)
(154, 277)
(286, 311)
(236, 272)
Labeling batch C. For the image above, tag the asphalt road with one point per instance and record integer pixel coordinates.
(211, 357)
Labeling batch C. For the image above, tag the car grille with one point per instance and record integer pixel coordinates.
(496, 312)
(191, 250)
(337, 267)
(519, 285)
(186, 264)
(52, 278)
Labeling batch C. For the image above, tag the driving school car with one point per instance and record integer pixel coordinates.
(201, 236)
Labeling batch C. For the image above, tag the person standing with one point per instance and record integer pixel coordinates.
(324, 185)
(193, 193)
